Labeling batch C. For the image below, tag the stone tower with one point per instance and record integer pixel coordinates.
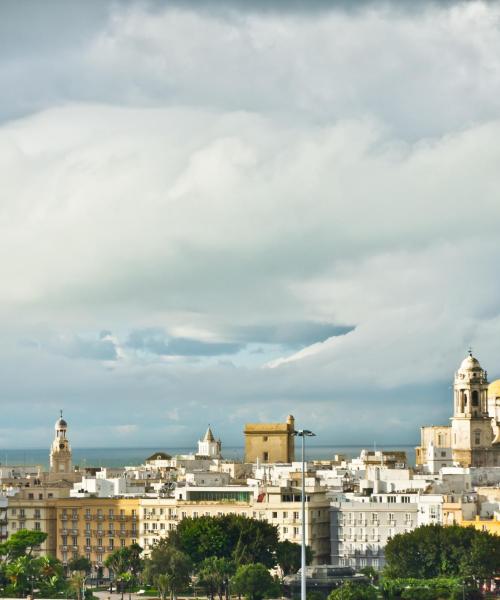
(471, 427)
(60, 451)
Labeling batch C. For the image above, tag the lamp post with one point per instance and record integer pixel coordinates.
(303, 433)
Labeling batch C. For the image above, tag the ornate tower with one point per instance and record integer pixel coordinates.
(471, 429)
(60, 451)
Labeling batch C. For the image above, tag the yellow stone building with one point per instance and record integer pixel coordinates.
(95, 527)
(270, 442)
(490, 525)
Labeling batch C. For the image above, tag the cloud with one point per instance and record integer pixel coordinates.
(313, 190)
(156, 341)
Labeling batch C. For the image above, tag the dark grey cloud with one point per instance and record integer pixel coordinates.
(293, 335)
(78, 347)
(156, 341)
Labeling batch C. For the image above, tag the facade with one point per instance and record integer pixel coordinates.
(361, 526)
(474, 434)
(95, 527)
(35, 510)
(490, 525)
(270, 442)
(3, 518)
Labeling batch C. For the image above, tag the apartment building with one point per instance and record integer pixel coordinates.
(95, 527)
(34, 507)
(361, 526)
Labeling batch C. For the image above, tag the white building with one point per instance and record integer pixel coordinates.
(361, 525)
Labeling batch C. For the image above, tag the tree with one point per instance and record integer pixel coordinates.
(22, 543)
(214, 575)
(253, 581)
(76, 584)
(434, 551)
(118, 563)
(288, 557)
(239, 538)
(353, 591)
(171, 562)
(80, 563)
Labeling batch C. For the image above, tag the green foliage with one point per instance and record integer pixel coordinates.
(288, 557)
(80, 563)
(253, 581)
(434, 551)
(21, 543)
(235, 537)
(172, 565)
(353, 591)
(214, 575)
(439, 588)
(315, 595)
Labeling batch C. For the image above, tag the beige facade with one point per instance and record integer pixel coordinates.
(270, 442)
(279, 506)
(95, 527)
(34, 508)
(438, 436)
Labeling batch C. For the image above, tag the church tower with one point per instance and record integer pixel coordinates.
(209, 446)
(471, 427)
(60, 451)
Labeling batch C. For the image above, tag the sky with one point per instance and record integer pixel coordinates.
(226, 212)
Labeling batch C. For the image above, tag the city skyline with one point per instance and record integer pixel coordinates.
(225, 212)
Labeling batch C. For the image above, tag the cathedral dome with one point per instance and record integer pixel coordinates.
(494, 389)
(61, 424)
(470, 363)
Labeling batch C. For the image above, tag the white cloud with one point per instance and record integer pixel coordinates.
(241, 173)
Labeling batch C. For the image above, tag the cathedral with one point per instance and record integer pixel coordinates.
(473, 437)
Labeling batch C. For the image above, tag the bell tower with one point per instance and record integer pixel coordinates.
(471, 430)
(60, 451)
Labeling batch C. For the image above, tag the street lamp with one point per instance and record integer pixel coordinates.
(303, 433)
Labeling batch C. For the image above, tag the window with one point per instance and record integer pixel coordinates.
(265, 456)
(296, 515)
(37, 513)
(87, 542)
(285, 515)
(264, 439)
(477, 438)
(475, 398)
(37, 526)
(31, 496)
(75, 540)
(275, 515)
(122, 543)
(285, 529)
(443, 454)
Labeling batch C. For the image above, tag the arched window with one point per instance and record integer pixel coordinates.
(465, 399)
(475, 398)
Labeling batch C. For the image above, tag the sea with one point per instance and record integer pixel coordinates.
(121, 457)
